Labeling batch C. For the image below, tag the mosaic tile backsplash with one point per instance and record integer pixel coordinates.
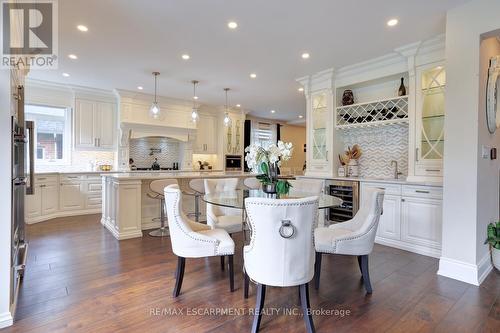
(140, 151)
(380, 145)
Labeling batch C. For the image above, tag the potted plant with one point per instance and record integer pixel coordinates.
(494, 241)
(266, 161)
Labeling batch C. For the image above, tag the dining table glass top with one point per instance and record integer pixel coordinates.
(236, 199)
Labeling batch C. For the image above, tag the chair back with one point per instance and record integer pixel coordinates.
(252, 183)
(158, 186)
(276, 256)
(197, 185)
(313, 186)
(220, 185)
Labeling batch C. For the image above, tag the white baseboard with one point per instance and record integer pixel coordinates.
(419, 249)
(63, 214)
(6, 319)
(464, 271)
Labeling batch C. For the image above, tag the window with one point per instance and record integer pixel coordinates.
(263, 133)
(52, 133)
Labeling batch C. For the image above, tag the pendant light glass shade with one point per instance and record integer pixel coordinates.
(154, 110)
(227, 119)
(194, 112)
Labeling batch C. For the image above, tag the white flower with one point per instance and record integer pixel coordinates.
(271, 154)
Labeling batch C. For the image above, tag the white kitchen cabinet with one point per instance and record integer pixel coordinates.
(49, 198)
(71, 196)
(389, 224)
(33, 204)
(421, 221)
(206, 135)
(94, 125)
(233, 135)
(412, 217)
(429, 121)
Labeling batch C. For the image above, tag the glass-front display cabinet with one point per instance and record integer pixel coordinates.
(319, 112)
(430, 118)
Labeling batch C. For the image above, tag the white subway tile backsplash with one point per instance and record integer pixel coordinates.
(379, 145)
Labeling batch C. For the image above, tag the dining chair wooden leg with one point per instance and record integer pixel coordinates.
(231, 272)
(246, 284)
(259, 305)
(222, 262)
(366, 274)
(179, 275)
(359, 264)
(317, 270)
(306, 307)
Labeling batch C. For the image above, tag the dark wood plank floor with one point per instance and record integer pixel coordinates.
(80, 279)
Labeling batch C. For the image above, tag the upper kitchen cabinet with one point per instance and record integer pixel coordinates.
(318, 89)
(233, 135)
(206, 132)
(430, 117)
(94, 125)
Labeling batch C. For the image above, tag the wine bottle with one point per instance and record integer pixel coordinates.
(402, 88)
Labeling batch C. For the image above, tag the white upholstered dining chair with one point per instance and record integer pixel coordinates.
(229, 219)
(281, 249)
(313, 186)
(194, 240)
(354, 237)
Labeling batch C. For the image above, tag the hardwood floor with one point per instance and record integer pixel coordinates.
(80, 279)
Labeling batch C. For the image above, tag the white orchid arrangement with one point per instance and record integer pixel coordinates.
(265, 161)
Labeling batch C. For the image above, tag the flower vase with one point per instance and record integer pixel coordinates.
(270, 188)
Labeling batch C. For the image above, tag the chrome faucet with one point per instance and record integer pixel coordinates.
(396, 172)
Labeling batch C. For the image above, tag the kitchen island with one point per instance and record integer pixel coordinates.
(126, 208)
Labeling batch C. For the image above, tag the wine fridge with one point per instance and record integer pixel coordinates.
(348, 191)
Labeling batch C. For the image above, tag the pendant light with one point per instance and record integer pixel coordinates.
(154, 110)
(194, 112)
(227, 120)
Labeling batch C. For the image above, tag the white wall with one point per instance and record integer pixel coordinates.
(5, 194)
(467, 180)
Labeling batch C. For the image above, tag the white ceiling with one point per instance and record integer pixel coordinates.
(128, 39)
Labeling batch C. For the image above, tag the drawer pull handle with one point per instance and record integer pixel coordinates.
(42, 178)
(381, 188)
(72, 177)
(421, 191)
(432, 170)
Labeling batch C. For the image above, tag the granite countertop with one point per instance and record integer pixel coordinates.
(84, 172)
(142, 175)
(401, 181)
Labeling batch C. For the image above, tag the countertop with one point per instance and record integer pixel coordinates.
(146, 175)
(401, 181)
(84, 172)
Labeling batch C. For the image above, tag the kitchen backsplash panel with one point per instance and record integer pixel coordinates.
(140, 151)
(380, 145)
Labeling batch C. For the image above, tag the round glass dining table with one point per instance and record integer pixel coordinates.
(236, 199)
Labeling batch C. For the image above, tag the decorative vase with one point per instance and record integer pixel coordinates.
(402, 88)
(347, 97)
(269, 188)
(353, 169)
(495, 257)
(341, 171)
(272, 173)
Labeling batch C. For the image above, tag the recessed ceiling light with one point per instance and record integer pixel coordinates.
(140, 87)
(72, 56)
(82, 28)
(273, 111)
(185, 56)
(195, 97)
(238, 105)
(392, 22)
(232, 25)
(65, 74)
(301, 89)
(301, 116)
(253, 75)
(305, 55)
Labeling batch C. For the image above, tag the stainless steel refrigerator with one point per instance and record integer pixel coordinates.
(22, 184)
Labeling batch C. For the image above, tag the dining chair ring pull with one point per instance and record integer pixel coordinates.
(287, 230)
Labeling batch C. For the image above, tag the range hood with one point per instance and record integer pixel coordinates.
(136, 131)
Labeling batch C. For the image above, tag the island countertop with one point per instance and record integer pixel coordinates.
(175, 175)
